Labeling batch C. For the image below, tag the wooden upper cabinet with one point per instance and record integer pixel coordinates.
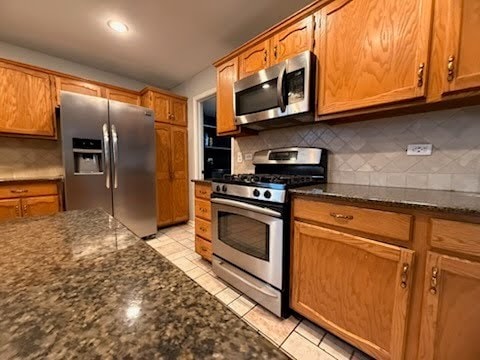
(10, 209)
(160, 105)
(227, 74)
(178, 112)
(462, 50)
(352, 286)
(254, 59)
(26, 105)
(76, 86)
(122, 96)
(372, 52)
(293, 40)
(451, 312)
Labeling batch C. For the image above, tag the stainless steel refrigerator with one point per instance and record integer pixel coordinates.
(109, 159)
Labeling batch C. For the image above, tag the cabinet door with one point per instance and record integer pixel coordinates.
(178, 110)
(164, 175)
(451, 311)
(161, 107)
(354, 287)
(180, 173)
(254, 59)
(462, 50)
(293, 40)
(227, 74)
(41, 205)
(122, 96)
(76, 86)
(26, 105)
(367, 58)
(10, 209)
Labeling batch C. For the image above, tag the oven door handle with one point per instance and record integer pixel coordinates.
(246, 282)
(246, 206)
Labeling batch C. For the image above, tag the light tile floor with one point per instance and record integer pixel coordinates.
(298, 338)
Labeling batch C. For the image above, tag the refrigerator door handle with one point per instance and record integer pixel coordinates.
(106, 154)
(115, 156)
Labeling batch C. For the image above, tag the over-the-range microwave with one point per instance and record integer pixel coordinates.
(281, 95)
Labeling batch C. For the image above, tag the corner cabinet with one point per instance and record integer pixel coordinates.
(172, 174)
(352, 286)
(368, 58)
(26, 101)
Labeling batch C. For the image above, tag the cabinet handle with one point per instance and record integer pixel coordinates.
(203, 192)
(266, 56)
(203, 248)
(275, 51)
(19, 191)
(341, 216)
(25, 208)
(421, 70)
(203, 210)
(451, 68)
(17, 210)
(433, 281)
(171, 116)
(202, 229)
(404, 275)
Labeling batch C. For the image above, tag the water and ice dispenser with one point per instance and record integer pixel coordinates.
(88, 156)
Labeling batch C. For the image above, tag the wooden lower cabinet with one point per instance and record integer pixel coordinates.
(352, 286)
(203, 220)
(40, 205)
(10, 209)
(203, 248)
(451, 309)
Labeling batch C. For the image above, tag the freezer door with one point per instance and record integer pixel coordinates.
(133, 167)
(85, 136)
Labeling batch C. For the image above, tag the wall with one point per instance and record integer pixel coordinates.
(374, 152)
(199, 84)
(21, 157)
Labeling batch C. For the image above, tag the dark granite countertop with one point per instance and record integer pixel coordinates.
(80, 285)
(32, 179)
(432, 200)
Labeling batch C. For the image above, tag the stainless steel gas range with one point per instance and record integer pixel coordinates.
(251, 218)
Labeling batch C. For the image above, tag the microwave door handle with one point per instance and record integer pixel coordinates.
(106, 154)
(280, 88)
(246, 206)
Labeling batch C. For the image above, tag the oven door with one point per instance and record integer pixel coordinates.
(281, 90)
(249, 237)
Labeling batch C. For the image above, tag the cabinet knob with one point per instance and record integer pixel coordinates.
(17, 210)
(275, 51)
(420, 73)
(433, 281)
(25, 208)
(404, 276)
(451, 68)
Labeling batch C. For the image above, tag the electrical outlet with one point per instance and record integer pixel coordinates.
(248, 157)
(419, 149)
(239, 157)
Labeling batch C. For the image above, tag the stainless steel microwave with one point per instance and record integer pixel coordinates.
(282, 95)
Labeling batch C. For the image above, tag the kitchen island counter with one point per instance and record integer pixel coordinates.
(80, 285)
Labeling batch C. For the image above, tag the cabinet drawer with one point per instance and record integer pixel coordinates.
(26, 190)
(203, 228)
(456, 236)
(203, 209)
(203, 248)
(377, 222)
(203, 191)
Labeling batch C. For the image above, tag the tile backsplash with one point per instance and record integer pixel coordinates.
(21, 158)
(374, 152)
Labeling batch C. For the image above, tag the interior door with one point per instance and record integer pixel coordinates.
(85, 117)
(133, 167)
(179, 173)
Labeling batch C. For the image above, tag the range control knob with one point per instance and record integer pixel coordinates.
(256, 193)
(224, 188)
(267, 194)
(217, 189)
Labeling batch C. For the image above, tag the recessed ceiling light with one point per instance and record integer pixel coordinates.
(117, 26)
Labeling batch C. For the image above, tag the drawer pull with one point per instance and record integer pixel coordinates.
(203, 229)
(203, 210)
(433, 281)
(19, 191)
(341, 216)
(203, 248)
(203, 192)
(17, 210)
(404, 276)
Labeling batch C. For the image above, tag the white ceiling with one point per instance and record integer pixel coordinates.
(169, 40)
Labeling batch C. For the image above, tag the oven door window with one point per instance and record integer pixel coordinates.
(258, 98)
(244, 234)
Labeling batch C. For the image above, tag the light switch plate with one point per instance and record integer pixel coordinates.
(419, 149)
(249, 157)
(239, 157)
